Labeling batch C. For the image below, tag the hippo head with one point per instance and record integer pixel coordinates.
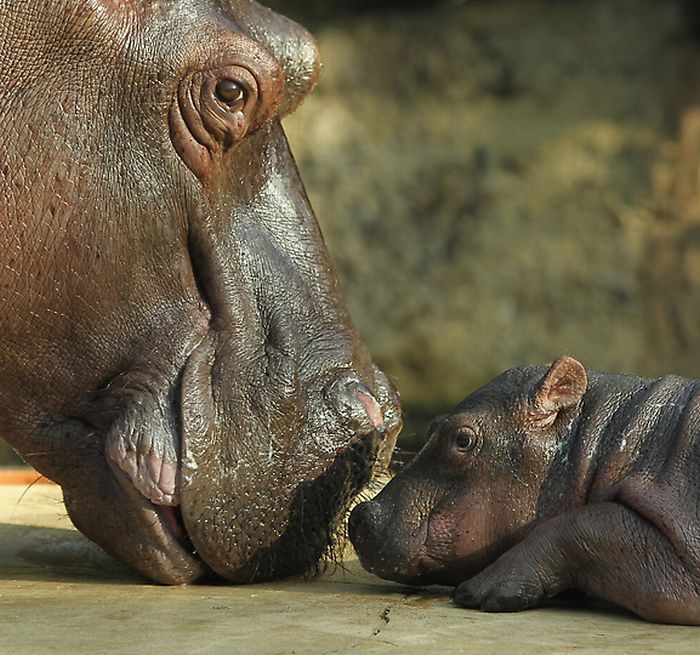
(175, 351)
(473, 490)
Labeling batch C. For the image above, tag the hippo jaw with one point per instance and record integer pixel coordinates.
(417, 552)
(412, 551)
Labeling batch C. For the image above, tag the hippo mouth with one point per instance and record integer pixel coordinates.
(412, 552)
(387, 555)
(417, 555)
(177, 505)
(311, 531)
(178, 562)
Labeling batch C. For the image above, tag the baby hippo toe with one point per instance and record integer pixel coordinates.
(507, 599)
(506, 586)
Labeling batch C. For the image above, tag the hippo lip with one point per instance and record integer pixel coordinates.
(168, 535)
(426, 567)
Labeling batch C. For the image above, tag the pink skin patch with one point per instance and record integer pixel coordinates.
(374, 411)
(155, 478)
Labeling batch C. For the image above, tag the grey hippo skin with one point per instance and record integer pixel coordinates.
(174, 348)
(546, 480)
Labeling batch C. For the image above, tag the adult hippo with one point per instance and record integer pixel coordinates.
(174, 350)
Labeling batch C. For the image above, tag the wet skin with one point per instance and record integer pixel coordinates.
(175, 351)
(547, 480)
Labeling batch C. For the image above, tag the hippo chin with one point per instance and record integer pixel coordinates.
(175, 350)
(546, 480)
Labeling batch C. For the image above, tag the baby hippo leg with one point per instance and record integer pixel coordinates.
(605, 549)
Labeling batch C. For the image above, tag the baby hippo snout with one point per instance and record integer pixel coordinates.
(390, 533)
(379, 549)
(362, 530)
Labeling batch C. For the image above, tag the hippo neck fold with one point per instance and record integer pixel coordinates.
(613, 437)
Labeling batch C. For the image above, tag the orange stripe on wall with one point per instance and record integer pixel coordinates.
(22, 476)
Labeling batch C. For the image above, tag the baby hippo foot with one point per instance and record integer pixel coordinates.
(512, 583)
(142, 443)
(498, 593)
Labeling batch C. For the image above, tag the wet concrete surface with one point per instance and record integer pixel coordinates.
(59, 593)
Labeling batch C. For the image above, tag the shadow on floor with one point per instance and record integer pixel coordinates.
(33, 553)
(56, 555)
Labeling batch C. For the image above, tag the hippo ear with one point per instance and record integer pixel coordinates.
(562, 386)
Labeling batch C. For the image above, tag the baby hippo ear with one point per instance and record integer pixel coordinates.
(562, 386)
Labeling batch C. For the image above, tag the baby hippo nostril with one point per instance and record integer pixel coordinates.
(356, 405)
(357, 524)
(362, 526)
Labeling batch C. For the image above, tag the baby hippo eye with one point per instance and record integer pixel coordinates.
(231, 94)
(466, 440)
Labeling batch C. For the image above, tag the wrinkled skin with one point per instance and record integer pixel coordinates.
(548, 480)
(175, 351)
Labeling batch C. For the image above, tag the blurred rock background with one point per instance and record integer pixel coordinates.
(503, 181)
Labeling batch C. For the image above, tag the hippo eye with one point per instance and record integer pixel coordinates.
(231, 94)
(466, 440)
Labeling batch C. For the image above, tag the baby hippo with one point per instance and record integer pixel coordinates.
(546, 480)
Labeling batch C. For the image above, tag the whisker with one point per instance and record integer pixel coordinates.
(24, 493)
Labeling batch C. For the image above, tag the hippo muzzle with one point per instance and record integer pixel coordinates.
(176, 352)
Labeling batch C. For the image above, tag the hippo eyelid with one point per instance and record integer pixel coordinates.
(217, 105)
(247, 103)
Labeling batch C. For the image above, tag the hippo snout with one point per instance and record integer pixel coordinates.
(360, 523)
(355, 404)
(396, 535)
(380, 543)
(362, 530)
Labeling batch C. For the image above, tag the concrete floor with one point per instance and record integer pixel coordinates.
(59, 593)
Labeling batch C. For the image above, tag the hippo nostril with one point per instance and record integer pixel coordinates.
(374, 411)
(355, 404)
(363, 530)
